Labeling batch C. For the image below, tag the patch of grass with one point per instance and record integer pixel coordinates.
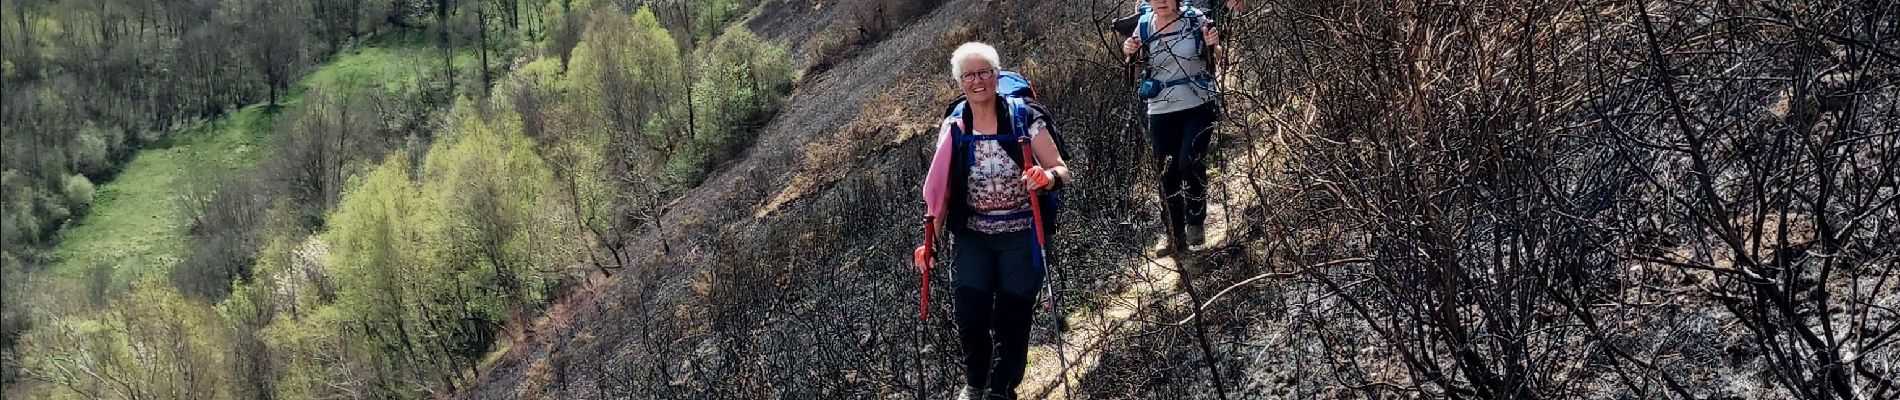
(398, 68)
(134, 226)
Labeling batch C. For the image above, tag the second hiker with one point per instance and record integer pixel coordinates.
(1178, 46)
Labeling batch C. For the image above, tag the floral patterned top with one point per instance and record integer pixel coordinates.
(996, 187)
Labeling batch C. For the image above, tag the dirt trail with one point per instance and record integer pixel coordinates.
(1154, 283)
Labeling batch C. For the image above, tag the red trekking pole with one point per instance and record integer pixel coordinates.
(930, 247)
(923, 299)
(1035, 212)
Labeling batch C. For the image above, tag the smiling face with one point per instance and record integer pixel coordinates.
(1166, 8)
(977, 79)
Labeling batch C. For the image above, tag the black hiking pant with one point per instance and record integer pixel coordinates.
(1180, 141)
(996, 280)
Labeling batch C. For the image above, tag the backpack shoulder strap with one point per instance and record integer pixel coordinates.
(1196, 20)
(959, 122)
(1146, 26)
(961, 134)
(1018, 115)
(956, 107)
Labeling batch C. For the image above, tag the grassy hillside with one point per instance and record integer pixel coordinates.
(137, 229)
(134, 229)
(385, 229)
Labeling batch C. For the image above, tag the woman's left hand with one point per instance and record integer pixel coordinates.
(1212, 35)
(1037, 179)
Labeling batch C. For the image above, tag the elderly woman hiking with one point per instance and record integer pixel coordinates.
(979, 188)
(1179, 45)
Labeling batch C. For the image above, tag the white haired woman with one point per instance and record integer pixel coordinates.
(977, 188)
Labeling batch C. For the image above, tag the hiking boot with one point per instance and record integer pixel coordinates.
(1166, 247)
(970, 393)
(1196, 235)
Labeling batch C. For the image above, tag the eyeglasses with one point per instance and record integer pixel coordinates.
(979, 75)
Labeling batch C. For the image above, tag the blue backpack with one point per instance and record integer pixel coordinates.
(1019, 103)
(1144, 21)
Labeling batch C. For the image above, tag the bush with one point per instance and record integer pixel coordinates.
(830, 47)
(78, 191)
(90, 152)
(14, 321)
(17, 222)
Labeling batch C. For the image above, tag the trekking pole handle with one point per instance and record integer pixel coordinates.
(930, 250)
(1035, 206)
(930, 234)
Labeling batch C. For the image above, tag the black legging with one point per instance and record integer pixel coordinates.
(996, 282)
(1009, 318)
(1182, 136)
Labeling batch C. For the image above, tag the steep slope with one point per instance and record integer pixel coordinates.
(1399, 226)
(595, 329)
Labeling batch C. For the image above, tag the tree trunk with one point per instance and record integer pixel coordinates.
(481, 24)
(448, 49)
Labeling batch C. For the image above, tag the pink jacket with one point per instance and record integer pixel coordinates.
(937, 181)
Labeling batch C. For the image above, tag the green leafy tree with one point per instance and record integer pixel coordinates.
(152, 344)
(742, 80)
(626, 70)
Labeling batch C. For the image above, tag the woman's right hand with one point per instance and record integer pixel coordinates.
(1129, 46)
(920, 258)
